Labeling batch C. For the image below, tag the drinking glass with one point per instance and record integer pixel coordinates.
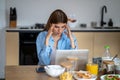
(92, 68)
(73, 60)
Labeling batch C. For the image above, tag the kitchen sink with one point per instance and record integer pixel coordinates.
(106, 27)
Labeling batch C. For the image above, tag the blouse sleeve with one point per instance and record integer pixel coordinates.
(43, 51)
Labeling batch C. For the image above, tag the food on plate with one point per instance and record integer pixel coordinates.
(66, 76)
(84, 74)
(111, 77)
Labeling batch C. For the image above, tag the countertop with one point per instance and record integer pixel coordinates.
(27, 73)
(76, 29)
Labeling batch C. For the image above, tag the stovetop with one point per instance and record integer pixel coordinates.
(37, 26)
(24, 28)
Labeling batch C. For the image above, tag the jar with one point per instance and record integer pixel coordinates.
(73, 61)
(109, 66)
(67, 75)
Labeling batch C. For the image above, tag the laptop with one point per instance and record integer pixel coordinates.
(80, 54)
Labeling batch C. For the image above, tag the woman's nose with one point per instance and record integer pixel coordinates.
(59, 30)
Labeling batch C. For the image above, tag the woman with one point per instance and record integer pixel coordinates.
(56, 35)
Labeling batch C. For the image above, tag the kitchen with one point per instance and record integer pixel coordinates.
(27, 14)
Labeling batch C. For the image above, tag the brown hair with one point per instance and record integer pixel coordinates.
(57, 16)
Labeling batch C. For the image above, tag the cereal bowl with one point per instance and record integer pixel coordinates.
(54, 70)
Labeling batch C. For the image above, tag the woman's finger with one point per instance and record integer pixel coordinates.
(51, 27)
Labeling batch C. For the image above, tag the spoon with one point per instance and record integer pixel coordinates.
(114, 57)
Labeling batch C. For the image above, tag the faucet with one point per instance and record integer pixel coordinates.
(104, 8)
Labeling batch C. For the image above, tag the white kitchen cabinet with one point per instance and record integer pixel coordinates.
(12, 48)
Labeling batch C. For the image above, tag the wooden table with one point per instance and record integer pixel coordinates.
(25, 73)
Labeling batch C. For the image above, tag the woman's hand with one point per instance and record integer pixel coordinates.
(50, 32)
(69, 34)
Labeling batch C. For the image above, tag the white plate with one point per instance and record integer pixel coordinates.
(102, 77)
(78, 78)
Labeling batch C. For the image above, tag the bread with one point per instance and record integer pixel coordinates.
(85, 75)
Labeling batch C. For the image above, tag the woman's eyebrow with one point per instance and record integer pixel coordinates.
(59, 26)
(63, 26)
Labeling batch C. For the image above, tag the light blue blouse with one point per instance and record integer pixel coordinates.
(44, 52)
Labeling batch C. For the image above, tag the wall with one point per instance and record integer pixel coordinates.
(37, 11)
(2, 14)
(2, 38)
(2, 53)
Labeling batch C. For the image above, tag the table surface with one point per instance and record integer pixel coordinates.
(26, 73)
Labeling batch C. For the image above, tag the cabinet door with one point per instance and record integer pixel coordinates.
(12, 48)
(106, 38)
(85, 41)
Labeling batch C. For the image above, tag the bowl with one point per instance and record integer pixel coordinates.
(111, 75)
(54, 70)
(107, 58)
(73, 24)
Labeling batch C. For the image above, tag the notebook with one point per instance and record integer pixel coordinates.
(81, 54)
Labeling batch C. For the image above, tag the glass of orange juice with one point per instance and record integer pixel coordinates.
(92, 68)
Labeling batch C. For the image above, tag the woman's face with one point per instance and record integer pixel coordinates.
(59, 28)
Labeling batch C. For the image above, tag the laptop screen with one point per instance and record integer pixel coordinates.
(80, 54)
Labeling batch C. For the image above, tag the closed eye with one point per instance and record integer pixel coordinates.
(59, 26)
(56, 26)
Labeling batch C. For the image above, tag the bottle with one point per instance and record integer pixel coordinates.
(107, 52)
(110, 23)
(13, 17)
